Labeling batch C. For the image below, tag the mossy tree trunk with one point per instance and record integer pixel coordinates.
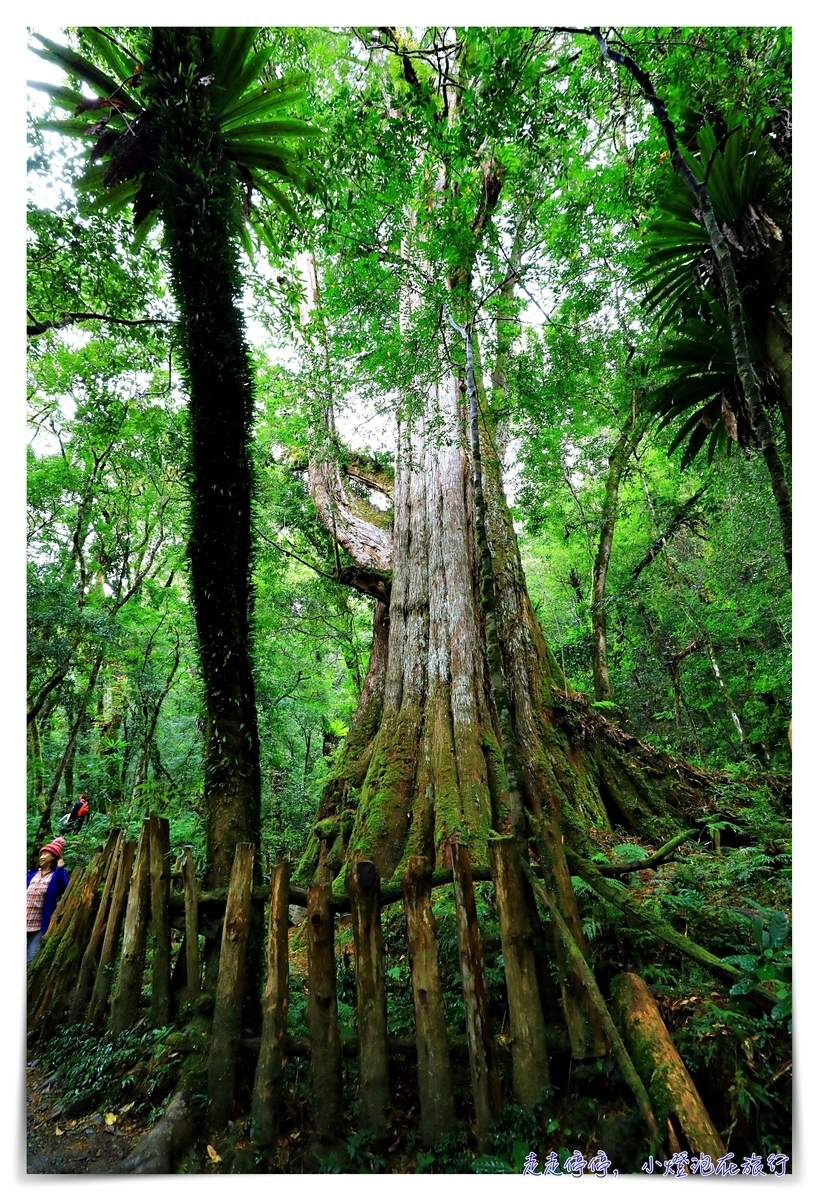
(197, 197)
(457, 734)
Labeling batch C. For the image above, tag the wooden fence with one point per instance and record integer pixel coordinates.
(92, 963)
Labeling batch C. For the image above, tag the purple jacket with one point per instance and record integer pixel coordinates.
(56, 886)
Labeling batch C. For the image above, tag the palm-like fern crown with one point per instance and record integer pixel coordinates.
(252, 131)
(684, 289)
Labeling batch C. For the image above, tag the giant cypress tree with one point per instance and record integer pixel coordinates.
(186, 138)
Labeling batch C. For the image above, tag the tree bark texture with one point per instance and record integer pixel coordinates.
(51, 985)
(90, 959)
(672, 1091)
(197, 198)
(165, 1141)
(437, 1116)
(113, 928)
(485, 1084)
(160, 920)
(221, 1063)
(128, 994)
(322, 1014)
(529, 1051)
(192, 958)
(267, 1098)
(370, 997)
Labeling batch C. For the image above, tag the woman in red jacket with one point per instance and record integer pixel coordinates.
(43, 890)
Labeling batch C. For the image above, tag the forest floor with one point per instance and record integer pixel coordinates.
(60, 1144)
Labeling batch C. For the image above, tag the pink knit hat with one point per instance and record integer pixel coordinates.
(56, 847)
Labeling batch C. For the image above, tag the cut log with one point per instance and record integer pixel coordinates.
(529, 1052)
(267, 1089)
(370, 997)
(485, 1084)
(322, 1014)
(193, 963)
(672, 1091)
(128, 994)
(160, 920)
(90, 959)
(437, 1116)
(158, 1150)
(113, 928)
(221, 1063)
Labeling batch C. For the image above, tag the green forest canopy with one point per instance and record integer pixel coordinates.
(584, 183)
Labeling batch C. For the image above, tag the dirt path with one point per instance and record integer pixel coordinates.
(59, 1143)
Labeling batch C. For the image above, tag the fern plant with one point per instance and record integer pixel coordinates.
(683, 289)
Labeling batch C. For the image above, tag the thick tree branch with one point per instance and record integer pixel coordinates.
(72, 318)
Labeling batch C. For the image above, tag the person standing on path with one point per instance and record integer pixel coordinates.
(43, 889)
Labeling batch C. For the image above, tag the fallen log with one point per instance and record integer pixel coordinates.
(672, 1091)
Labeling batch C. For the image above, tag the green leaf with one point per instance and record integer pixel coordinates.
(260, 131)
(75, 64)
(488, 1164)
(63, 97)
(779, 928)
(109, 53)
(268, 99)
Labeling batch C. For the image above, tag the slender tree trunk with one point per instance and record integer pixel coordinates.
(197, 206)
(628, 441)
(36, 773)
(44, 828)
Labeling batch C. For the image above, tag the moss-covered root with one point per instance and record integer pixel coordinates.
(629, 1072)
(657, 1060)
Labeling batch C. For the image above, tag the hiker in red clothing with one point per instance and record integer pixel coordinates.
(74, 820)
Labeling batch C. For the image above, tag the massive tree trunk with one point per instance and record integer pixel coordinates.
(451, 736)
(423, 764)
(465, 728)
(197, 203)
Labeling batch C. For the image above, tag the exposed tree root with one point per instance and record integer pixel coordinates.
(166, 1142)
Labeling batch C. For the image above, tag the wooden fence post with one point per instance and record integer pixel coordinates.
(221, 1063)
(194, 969)
(322, 1013)
(529, 1053)
(113, 928)
(370, 997)
(437, 1117)
(160, 919)
(128, 994)
(266, 1109)
(485, 1084)
(88, 966)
